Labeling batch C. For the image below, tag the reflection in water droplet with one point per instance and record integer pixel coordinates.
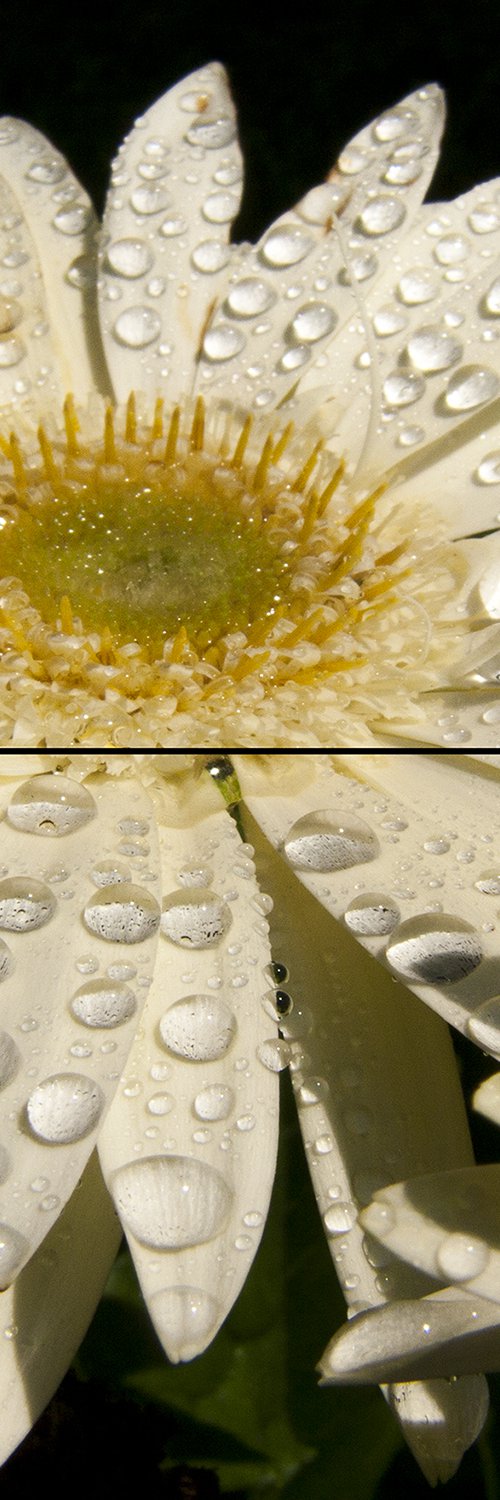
(103, 1004)
(122, 914)
(169, 1202)
(434, 949)
(195, 921)
(25, 904)
(200, 1027)
(371, 915)
(324, 841)
(64, 1108)
(50, 805)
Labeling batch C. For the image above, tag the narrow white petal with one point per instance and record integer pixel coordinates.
(440, 1420)
(175, 191)
(189, 1145)
(447, 1333)
(438, 820)
(46, 1314)
(446, 1224)
(48, 282)
(486, 1098)
(79, 930)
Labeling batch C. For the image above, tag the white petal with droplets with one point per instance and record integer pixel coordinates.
(447, 1333)
(445, 1224)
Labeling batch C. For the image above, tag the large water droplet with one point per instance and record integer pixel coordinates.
(340, 1218)
(13, 1248)
(223, 342)
(64, 1108)
(211, 134)
(286, 246)
(275, 1054)
(484, 1025)
(214, 1103)
(103, 1004)
(312, 322)
(380, 215)
(201, 1028)
(137, 327)
(250, 297)
(129, 257)
(25, 903)
(149, 200)
(431, 350)
(209, 256)
(122, 914)
(489, 882)
(434, 949)
(470, 387)
(417, 286)
(461, 1256)
(72, 220)
(403, 390)
(371, 915)
(324, 841)
(185, 1318)
(50, 805)
(197, 920)
(220, 208)
(169, 1202)
(488, 471)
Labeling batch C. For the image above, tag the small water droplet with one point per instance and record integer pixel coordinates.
(122, 914)
(209, 256)
(199, 920)
(277, 973)
(215, 1102)
(403, 390)
(489, 883)
(245, 1123)
(461, 1256)
(286, 246)
(470, 387)
(6, 961)
(484, 1025)
(185, 1318)
(313, 1091)
(137, 327)
(220, 208)
(312, 322)
(169, 1202)
(100, 1004)
(223, 342)
(160, 1104)
(488, 471)
(324, 841)
(436, 846)
(381, 215)
(434, 949)
(200, 1027)
(129, 258)
(73, 220)
(340, 1218)
(64, 1108)
(417, 286)
(274, 1054)
(249, 297)
(371, 915)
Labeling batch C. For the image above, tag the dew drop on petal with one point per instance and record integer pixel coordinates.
(323, 841)
(199, 920)
(484, 1025)
(122, 914)
(488, 471)
(380, 215)
(137, 327)
(9, 1059)
(200, 1027)
(64, 1108)
(215, 1102)
(211, 134)
(248, 298)
(209, 256)
(434, 949)
(6, 961)
(431, 350)
(403, 390)
(103, 1004)
(286, 246)
(492, 299)
(312, 322)
(185, 1318)
(223, 342)
(489, 882)
(110, 872)
(461, 1256)
(371, 915)
(25, 904)
(340, 1218)
(169, 1202)
(50, 805)
(275, 1054)
(129, 257)
(13, 1248)
(470, 387)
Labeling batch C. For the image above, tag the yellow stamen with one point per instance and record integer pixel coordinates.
(109, 436)
(45, 445)
(157, 429)
(305, 473)
(241, 445)
(131, 420)
(66, 615)
(72, 426)
(173, 435)
(265, 459)
(198, 427)
(282, 442)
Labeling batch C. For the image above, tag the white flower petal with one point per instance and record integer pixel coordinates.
(440, 819)
(440, 1420)
(175, 191)
(486, 1098)
(445, 1224)
(47, 1312)
(76, 929)
(49, 340)
(188, 1149)
(447, 1333)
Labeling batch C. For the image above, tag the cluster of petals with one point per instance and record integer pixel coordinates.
(366, 318)
(145, 1014)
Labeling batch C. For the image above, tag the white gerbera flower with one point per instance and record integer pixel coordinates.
(247, 493)
(137, 973)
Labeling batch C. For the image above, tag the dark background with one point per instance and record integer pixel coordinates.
(303, 85)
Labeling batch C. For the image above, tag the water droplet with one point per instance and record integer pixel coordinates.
(50, 805)
(470, 387)
(185, 1318)
(122, 914)
(25, 904)
(277, 973)
(461, 1256)
(436, 846)
(403, 390)
(402, 173)
(451, 249)
(249, 297)
(211, 134)
(209, 256)
(489, 883)
(323, 841)
(417, 286)
(12, 351)
(6, 961)
(388, 320)
(340, 1218)
(197, 921)
(214, 1102)
(47, 171)
(169, 1202)
(194, 875)
(173, 227)
(488, 471)
(323, 1145)
(245, 1123)
(431, 350)
(129, 257)
(484, 1025)
(392, 124)
(313, 1091)
(73, 220)
(371, 915)
(110, 872)
(286, 246)
(64, 1108)
(137, 327)
(312, 322)
(274, 1054)
(223, 342)
(160, 1104)
(149, 200)
(13, 1248)
(434, 949)
(101, 1004)
(9, 1059)
(380, 215)
(200, 1027)
(492, 299)
(220, 208)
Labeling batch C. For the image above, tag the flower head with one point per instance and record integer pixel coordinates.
(247, 492)
(144, 1010)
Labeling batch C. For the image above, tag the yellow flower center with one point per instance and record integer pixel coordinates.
(179, 557)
